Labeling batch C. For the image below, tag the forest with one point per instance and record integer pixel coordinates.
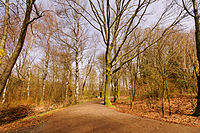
(134, 55)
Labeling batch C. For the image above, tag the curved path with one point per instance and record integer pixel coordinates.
(96, 118)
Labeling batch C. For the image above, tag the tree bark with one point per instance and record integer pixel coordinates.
(7, 71)
(107, 101)
(77, 79)
(197, 37)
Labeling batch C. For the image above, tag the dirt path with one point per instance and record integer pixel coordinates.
(96, 118)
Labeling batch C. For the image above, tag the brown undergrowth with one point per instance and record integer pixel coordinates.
(19, 117)
(30, 120)
(181, 106)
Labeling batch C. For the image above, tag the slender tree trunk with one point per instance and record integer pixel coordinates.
(89, 69)
(133, 90)
(77, 32)
(7, 71)
(29, 79)
(70, 92)
(4, 93)
(46, 66)
(134, 81)
(163, 98)
(29, 68)
(77, 79)
(5, 30)
(102, 84)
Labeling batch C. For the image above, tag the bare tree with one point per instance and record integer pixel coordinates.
(29, 66)
(74, 35)
(116, 21)
(27, 20)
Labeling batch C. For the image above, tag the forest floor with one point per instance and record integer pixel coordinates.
(94, 117)
(181, 109)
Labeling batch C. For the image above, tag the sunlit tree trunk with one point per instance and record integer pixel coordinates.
(107, 90)
(77, 78)
(3, 42)
(4, 93)
(46, 66)
(77, 50)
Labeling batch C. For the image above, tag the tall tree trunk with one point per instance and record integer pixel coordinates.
(29, 68)
(7, 71)
(46, 66)
(107, 101)
(77, 79)
(134, 81)
(197, 37)
(77, 32)
(163, 97)
(133, 90)
(5, 30)
(70, 92)
(89, 69)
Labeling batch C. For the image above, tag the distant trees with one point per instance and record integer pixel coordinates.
(73, 34)
(161, 73)
(45, 30)
(27, 20)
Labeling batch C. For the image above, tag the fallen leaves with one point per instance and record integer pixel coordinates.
(181, 110)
